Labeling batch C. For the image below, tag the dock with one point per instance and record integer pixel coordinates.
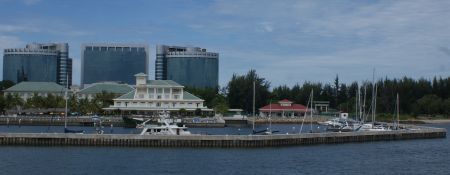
(220, 141)
(59, 121)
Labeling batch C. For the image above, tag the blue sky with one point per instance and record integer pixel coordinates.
(287, 42)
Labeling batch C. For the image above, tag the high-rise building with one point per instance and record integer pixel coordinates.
(112, 62)
(38, 62)
(189, 66)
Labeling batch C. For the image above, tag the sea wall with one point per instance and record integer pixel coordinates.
(222, 141)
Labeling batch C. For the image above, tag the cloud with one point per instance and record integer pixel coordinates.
(11, 28)
(445, 50)
(42, 27)
(317, 39)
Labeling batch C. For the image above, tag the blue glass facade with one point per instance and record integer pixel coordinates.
(38, 62)
(194, 72)
(30, 67)
(113, 63)
(189, 66)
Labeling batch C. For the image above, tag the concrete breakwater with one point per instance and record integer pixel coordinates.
(223, 141)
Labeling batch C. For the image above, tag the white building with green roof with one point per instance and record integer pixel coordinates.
(26, 89)
(157, 95)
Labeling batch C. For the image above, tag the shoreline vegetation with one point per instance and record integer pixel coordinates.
(430, 97)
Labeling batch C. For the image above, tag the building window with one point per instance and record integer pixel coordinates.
(141, 95)
(176, 91)
(159, 97)
(158, 104)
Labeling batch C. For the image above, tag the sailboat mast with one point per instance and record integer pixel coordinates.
(66, 97)
(398, 112)
(270, 116)
(305, 114)
(364, 104)
(356, 103)
(373, 97)
(359, 104)
(311, 114)
(254, 117)
(375, 103)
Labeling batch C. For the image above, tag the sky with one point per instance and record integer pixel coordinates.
(286, 42)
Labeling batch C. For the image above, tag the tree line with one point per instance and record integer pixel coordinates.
(75, 105)
(417, 97)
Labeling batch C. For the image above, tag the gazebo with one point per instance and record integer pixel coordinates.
(284, 108)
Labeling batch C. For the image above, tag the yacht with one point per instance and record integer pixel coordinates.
(165, 126)
(341, 124)
(371, 127)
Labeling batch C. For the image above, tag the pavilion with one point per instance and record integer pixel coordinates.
(284, 108)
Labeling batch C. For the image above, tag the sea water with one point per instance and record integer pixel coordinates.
(425, 156)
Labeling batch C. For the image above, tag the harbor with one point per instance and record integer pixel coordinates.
(220, 141)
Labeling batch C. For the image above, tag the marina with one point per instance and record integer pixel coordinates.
(221, 141)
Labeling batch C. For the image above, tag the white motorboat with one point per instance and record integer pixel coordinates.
(164, 127)
(370, 127)
(341, 124)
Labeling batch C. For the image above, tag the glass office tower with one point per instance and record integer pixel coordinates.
(38, 62)
(189, 66)
(113, 62)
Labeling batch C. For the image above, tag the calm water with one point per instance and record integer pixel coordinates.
(429, 156)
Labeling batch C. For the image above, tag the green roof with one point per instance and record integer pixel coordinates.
(189, 96)
(129, 95)
(26, 86)
(169, 83)
(114, 88)
(140, 75)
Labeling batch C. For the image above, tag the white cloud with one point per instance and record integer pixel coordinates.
(317, 39)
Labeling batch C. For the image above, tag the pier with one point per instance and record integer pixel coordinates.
(220, 141)
(59, 121)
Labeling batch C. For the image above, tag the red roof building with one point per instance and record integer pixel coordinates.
(284, 108)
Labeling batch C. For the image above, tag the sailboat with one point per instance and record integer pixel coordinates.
(397, 114)
(267, 131)
(309, 104)
(372, 126)
(66, 130)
